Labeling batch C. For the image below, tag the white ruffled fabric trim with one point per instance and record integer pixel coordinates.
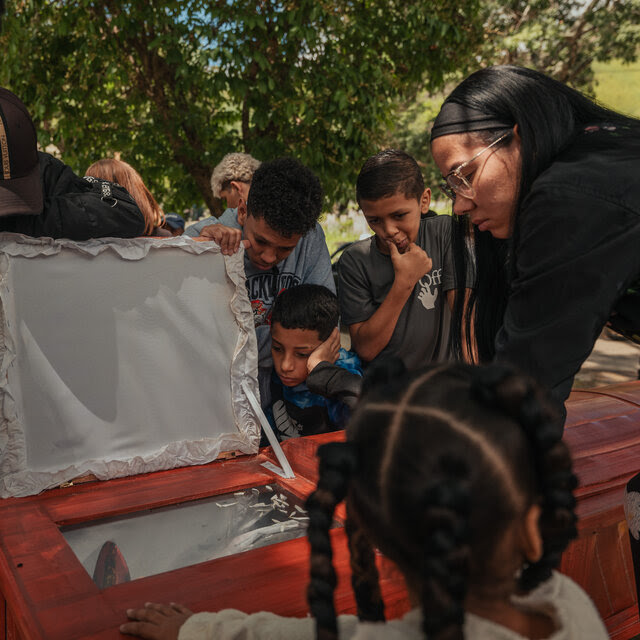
(17, 480)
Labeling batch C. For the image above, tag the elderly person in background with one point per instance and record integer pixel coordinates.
(230, 180)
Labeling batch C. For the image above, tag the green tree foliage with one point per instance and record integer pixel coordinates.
(563, 38)
(174, 85)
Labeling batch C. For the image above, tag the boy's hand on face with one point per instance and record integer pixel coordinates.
(227, 238)
(156, 621)
(411, 265)
(328, 351)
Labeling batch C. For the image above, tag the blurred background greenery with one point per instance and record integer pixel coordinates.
(172, 86)
(615, 84)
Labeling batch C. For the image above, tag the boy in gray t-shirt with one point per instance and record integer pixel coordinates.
(396, 288)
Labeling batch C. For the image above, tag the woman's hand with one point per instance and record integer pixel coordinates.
(156, 621)
(328, 351)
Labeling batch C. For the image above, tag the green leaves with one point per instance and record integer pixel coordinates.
(174, 85)
(561, 37)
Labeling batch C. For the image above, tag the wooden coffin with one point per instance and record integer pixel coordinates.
(47, 594)
(603, 433)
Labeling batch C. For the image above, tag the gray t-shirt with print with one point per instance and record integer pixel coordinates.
(308, 263)
(365, 276)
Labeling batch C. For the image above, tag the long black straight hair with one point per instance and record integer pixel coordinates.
(549, 115)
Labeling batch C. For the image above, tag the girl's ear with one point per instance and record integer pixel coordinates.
(531, 538)
(425, 200)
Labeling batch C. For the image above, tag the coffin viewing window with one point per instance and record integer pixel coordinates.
(120, 357)
(129, 547)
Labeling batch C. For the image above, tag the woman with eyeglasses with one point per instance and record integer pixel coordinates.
(545, 186)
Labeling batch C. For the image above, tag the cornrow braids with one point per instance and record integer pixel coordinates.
(499, 386)
(337, 463)
(445, 561)
(365, 580)
(441, 453)
(426, 526)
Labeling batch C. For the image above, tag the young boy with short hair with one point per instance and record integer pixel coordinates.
(392, 286)
(314, 383)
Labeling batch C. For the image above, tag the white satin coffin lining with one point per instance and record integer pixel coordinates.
(120, 357)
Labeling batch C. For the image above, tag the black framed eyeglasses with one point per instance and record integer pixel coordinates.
(455, 183)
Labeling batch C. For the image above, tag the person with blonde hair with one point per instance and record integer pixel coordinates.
(231, 179)
(126, 176)
(232, 176)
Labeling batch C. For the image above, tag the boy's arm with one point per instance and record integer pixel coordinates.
(329, 350)
(331, 381)
(370, 337)
(328, 379)
(227, 238)
(193, 230)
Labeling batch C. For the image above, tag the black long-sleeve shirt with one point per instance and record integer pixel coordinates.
(577, 253)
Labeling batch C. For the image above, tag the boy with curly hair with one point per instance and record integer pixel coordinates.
(284, 244)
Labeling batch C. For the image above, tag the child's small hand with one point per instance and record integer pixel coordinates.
(156, 621)
(227, 238)
(411, 265)
(328, 351)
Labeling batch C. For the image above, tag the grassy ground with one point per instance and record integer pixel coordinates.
(618, 86)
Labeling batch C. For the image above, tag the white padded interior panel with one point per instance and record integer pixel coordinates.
(120, 357)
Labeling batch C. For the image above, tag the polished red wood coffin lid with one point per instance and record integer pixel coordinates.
(46, 593)
(603, 433)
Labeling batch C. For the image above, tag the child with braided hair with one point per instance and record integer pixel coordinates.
(456, 474)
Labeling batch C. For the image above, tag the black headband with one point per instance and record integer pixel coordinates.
(456, 118)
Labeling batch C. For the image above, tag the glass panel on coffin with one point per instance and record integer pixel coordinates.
(117, 550)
